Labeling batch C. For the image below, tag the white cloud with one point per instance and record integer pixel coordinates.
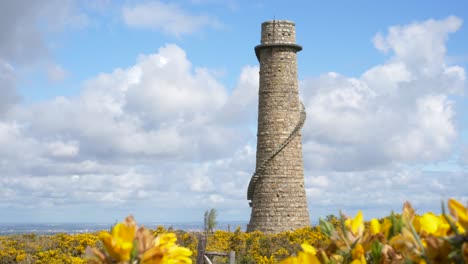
(397, 112)
(173, 94)
(431, 132)
(317, 181)
(378, 192)
(242, 106)
(419, 44)
(199, 180)
(216, 198)
(149, 110)
(148, 134)
(166, 17)
(63, 149)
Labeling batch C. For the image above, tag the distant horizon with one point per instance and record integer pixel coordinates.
(105, 223)
(74, 228)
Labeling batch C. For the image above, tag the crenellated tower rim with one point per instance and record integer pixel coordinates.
(278, 33)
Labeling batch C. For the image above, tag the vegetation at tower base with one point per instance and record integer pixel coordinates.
(398, 238)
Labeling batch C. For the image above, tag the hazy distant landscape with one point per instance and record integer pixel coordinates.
(77, 228)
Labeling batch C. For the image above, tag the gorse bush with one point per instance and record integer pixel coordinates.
(54, 249)
(256, 247)
(398, 238)
(123, 245)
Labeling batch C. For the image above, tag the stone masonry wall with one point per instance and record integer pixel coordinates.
(279, 201)
(278, 32)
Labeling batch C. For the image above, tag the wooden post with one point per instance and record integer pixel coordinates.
(201, 249)
(232, 257)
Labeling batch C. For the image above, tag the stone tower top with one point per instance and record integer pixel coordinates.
(278, 32)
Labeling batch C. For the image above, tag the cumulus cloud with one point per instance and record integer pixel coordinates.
(420, 45)
(166, 17)
(242, 106)
(393, 113)
(378, 192)
(161, 107)
(149, 132)
(63, 149)
(177, 95)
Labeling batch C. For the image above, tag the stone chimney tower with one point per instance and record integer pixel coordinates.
(276, 189)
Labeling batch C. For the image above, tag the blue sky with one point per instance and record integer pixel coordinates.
(149, 107)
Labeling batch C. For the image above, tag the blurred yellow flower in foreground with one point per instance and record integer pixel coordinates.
(125, 244)
(406, 244)
(376, 228)
(465, 251)
(165, 251)
(356, 225)
(304, 257)
(459, 211)
(119, 243)
(358, 255)
(405, 238)
(431, 224)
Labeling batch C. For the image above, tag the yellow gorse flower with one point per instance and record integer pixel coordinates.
(375, 227)
(119, 243)
(358, 255)
(356, 225)
(165, 251)
(125, 244)
(309, 249)
(459, 212)
(308, 256)
(431, 224)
